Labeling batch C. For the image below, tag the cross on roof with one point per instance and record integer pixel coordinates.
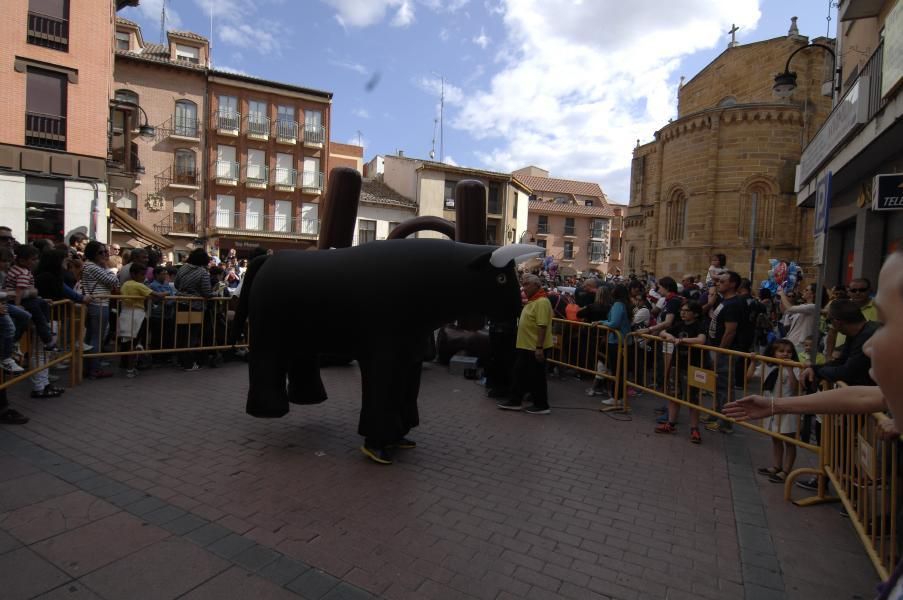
(733, 31)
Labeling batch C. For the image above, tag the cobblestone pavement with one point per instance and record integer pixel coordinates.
(162, 487)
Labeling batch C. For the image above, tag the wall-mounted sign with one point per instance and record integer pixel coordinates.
(887, 192)
(892, 69)
(847, 116)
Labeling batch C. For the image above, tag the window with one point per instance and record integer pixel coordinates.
(282, 221)
(254, 216)
(48, 24)
(492, 234)
(494, 205)
(44, 209)
(759, 197)
(313, 127)
(226, 167)
(587, 203)
(183, 215)
(568, 250)
(676, 217)
(599, 228)
(286, 127)
(542, 226)
(366, 231)
(631, 258)
(227, 117)
(225, 211)
(393, 225)
(45, 109)
(309, 219)
(123, 41)
(450, 194)
(569, 228)
(256, 170)
(258, 121)
(596, 251)
(185, 172)
(186, 119)
(514, 212)
(188, 53)
(561, 200)
(311, 177)
(542, 244)
(126, 96)
(285, 174)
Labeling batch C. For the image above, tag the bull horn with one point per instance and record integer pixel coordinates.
(517, 252)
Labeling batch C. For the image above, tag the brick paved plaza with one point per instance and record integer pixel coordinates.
(161, 487)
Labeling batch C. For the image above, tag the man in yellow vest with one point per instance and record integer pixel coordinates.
(860, 291)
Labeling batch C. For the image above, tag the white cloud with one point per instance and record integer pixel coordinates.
(574, 98)
(356, 140)
(433, 85)
(351, 66)
(228, 69)
(150, 10)
(363, 13)
(245, 35)
(450, 161)
(361, 113)
(444, 34)
(481, 40)
(237, 23)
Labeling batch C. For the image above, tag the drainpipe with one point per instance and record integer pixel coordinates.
(95, 214)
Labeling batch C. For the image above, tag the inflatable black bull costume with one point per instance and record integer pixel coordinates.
(385, 298)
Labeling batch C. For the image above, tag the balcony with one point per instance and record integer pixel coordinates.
(258, 127)
(286, 132)
(185, 129)
(176, 223)
(227, 172)
(47, 31)
(284, 179)
(45, 131)
(314, 136)
(312, 182)
(178, 177)
(227, 123)
(263, 225)
(257, 176)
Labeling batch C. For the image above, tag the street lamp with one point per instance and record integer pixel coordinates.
(145, 130)
(785, 83)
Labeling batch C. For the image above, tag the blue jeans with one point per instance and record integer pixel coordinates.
(20, 318)
(724, 386)
(40, 315)
(96, 324)
(7, 336)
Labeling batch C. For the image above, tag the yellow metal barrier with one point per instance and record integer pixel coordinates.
(585, 347)
(862, 466)
(34, 358)
(164, 325)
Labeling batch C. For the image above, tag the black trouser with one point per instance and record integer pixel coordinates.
(501, 359)
(530, 377)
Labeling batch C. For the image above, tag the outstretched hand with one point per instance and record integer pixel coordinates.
(750, 407)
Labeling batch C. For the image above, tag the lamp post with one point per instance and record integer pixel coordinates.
(785, 83)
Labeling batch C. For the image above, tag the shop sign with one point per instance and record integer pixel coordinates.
(851, 112)
(887, 192)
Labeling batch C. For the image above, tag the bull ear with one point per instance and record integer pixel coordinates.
(480, 262)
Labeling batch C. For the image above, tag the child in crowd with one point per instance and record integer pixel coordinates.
(8, 328)
(20, 283)
(688, 330)
(717, 268)
(806, 354)
(779, 382)
(132, 314)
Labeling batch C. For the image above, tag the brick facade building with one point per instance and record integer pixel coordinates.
(733, 147)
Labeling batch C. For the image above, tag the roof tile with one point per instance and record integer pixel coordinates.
(553, 208)
(562, 186)
(374, 191)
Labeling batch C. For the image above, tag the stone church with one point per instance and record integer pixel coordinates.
(721, 177)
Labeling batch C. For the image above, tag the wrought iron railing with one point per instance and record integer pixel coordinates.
(178, 175)
(47, 31)
(314, 134)
(176, 223)
(257, 175)
(227, 120)
(45, 131)
(261, 222)
(284, 177)
(286, 130)
(312, 180)
(258, 125)
(227, 169)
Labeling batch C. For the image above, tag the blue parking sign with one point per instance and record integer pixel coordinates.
(822, 203)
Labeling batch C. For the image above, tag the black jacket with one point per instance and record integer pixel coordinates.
(853, 366)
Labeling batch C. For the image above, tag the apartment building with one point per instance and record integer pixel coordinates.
(162, 204)
(431, 185)
(267, 149)
(379, 211)
(573, 221)
(56, 74)
(859, 146)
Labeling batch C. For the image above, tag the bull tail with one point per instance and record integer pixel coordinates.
(244, 299)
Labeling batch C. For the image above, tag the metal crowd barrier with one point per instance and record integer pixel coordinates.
(862, 466)
(584, 347)
(172, 324)
(31, 353)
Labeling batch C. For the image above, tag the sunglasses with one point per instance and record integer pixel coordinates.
(858, 290)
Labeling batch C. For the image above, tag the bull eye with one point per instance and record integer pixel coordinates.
(501, 278)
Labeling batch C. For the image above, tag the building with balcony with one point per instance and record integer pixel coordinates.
(161, 206)
(431, 185)
(860, 144)
(720, 177)
(267, 147)
(56, 80)
(572, 220)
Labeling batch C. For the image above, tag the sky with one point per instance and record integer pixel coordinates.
(566, 85)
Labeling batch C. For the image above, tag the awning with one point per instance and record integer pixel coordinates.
(138, 229)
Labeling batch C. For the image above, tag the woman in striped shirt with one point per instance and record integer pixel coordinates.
(97, 280)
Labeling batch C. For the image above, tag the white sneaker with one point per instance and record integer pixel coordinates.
(609, 402)
(11, 366)
(594, 392)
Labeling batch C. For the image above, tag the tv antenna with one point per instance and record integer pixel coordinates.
(163, 23)
(433, 147)
(441, 116)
